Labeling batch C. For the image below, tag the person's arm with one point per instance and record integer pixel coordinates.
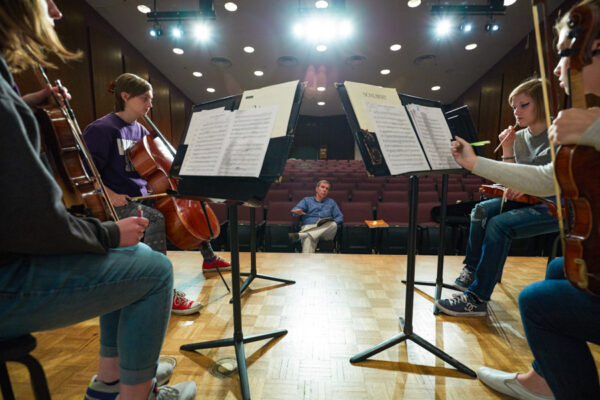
(34, 219)
(338, 217)
(577, 126)
(300, 208)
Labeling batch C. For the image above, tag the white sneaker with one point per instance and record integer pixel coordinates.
(507, 383)
(181, 391)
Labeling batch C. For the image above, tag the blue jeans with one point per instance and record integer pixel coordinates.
(558, 320)
(490, 236)
(131, 288)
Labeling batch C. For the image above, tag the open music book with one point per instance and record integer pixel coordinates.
(234, 143)
(410, 137)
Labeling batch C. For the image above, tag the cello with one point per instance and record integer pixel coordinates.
(189, 222)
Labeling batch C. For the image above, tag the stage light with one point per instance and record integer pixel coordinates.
(443, 28)
(466, 27)
(321, 48)
(323, 29)
(202, 32)
(155, 31)
(177, 32)
(321, 4)
(492, 27)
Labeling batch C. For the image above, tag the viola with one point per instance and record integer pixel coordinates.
(189, 222)
(498, 191)
(576, 169)
(67, 155)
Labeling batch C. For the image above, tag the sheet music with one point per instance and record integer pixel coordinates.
(397, 139)
(360, 94)
(281, 95)
(244, 152)
(434, 134)
(205, 140)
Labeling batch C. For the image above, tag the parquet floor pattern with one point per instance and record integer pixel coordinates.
(340, 305)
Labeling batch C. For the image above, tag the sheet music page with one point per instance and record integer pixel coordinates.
(245, 149)
(205, 140)
(281, 95)
(397, 139)
(360, 94)
(435, 135)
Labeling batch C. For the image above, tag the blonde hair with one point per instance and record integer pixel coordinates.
(27, 36)
(533, 88)
(131, 84)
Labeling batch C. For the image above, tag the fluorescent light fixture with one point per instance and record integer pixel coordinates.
(197, 74)
(144, 9)
(177, 50)
(259, 73)
(471, 46)
(230, 6)
(321, 88)
(385, 71)
(395, 47)
(436, 88)
(249, 49)
(210, 90)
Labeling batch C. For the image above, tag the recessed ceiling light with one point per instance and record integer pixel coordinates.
(321, 88)
(230, 6)
(249, 49)
(509, 2)
(414, 3)
(385, 71)
(210, 90)
(321, 48)
(436, 88)
(323, 4)
(197, 74)
(395, 47)
(259, 73)
(144, 9)
(471, 46)
(321, 103)
(177, 50)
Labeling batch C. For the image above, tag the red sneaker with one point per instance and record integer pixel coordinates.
(184, 306)
(211, 264)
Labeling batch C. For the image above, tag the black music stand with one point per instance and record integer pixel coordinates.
(236, 191)
(375, 163)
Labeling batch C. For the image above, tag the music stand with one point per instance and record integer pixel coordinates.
(236, 191)
(375, 163)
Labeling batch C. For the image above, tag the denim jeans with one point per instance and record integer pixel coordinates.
(491, 234)
(559, 320)
(130, 288)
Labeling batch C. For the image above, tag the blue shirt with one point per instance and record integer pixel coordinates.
(316, 210)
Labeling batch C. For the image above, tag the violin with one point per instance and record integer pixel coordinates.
(189, 222)
(67, 154)
(496, 190)
(576, 168)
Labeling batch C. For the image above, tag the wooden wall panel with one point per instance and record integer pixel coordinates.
(489, 111)
(135, 65)
(471, 99)
(178, 116)
(107, 64)
(161, 109)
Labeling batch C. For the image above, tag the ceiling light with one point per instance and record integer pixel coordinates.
(492, 27)
(442, 28)
(509, 2)
(230, 6)
(385, 71)
(197, 74)
(144, 9)
(177, 32)
(466, 27)
(321, 4)
(210, 90)
(177, 50)
(202, 32)
(249, 49)
(155, 31)
(259, 73)
(321, 103)
(321, 48)
(414, 3)
(344, 29)
(436, 88)
(321, 88)
(471, 46)
(395, 47)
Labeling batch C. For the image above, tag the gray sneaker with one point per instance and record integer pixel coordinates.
(463, 305)
(181, 391)
(465, 279)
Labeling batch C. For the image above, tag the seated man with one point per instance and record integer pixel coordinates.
(320, 217)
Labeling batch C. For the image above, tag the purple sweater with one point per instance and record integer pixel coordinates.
(108, 139)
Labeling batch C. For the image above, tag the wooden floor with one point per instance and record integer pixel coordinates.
(340, 305)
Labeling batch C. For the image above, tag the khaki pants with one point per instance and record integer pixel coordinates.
(326, 231)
